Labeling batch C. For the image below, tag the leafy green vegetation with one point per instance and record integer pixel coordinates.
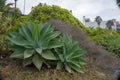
(43, 12)
(104, 38)
(33, 44)
(70, 56)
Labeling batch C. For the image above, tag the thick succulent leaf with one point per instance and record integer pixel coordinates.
(13, 34)
(59, 65)
(19, 42)
(26, 32)
(54, 44)
(76, 68)
(78, 53)
(36, 33)
(52, 35)
(75, 62)
(39, 50)
(37, 61)
(60, 55)
(16, 47)
(48, 55)
(27, 61)
(28, 53)
(82, 61)
(31, 26)
(44, 31)
(75, 46)
(68, 68)
(17, 54)
(67, 48)
(75, 54)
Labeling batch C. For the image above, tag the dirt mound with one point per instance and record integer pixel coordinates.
(99, 59)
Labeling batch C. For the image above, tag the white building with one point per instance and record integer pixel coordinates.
(102, 24)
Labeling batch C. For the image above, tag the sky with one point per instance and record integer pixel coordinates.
(107, 9)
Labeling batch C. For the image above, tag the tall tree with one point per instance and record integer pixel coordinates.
(118, 3)
(15, 3)
(98, 19)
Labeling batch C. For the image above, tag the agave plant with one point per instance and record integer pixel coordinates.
(70, 56)
(33, 42)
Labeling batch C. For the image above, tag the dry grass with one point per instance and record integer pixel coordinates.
(12, 71)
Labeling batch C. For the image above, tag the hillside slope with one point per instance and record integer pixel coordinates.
(99, 59)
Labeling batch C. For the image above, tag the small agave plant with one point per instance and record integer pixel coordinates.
(70, 56)
(33, 42)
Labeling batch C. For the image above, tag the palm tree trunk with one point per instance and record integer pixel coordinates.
(15, 3)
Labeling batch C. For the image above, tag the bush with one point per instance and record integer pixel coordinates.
(45, 12)
(102, 37)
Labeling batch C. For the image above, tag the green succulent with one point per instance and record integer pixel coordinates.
(70, 56)
(33, 42)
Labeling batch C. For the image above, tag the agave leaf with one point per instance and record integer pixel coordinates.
(27, 61)
(78, 53)
(54, 44)
(39, 50)
(37, 61)
(34, 35)
(30, 26)
(67, 67)
(38, 32)
(19, 42)
(44, 31)
(75, 54)
(52, 35)
(75, 62)
(27, 33)
(28, 53)
(59, 65)
(16, 47)
(17, 54)
(76, 68)
(75, 46)
(82, 61)
(60, 55)
(48, 55)
(13, 34)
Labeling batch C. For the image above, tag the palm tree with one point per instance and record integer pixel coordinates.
(118, 2)
(98, 19)
(109, 25)
(15, 3)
